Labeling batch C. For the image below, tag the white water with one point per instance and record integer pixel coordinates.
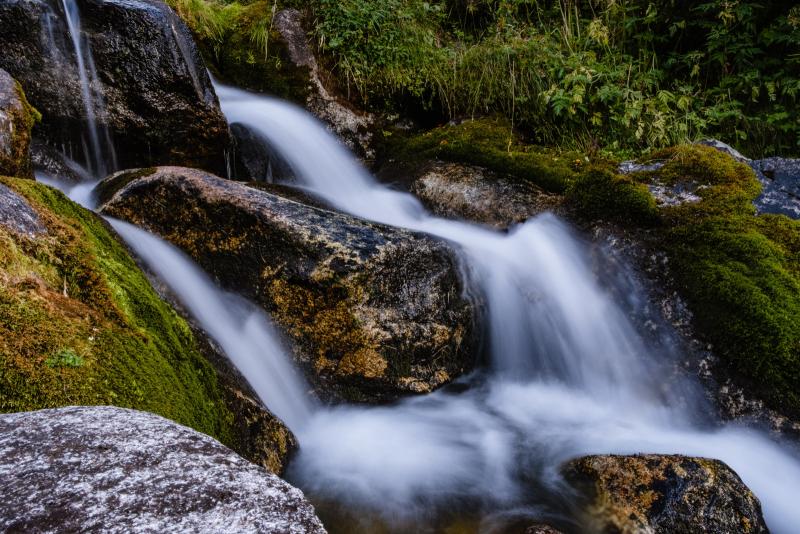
(99, 153)
(570, 374)
(240, 328)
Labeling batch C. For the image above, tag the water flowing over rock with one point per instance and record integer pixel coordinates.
(16, 121)
(664, 494)
(459, 191)
(374, 312)
(85, 469)
(151, 91)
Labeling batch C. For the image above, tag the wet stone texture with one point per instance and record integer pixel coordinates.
(372, 312)
(663, 494)
(17, 215)
(82, 469)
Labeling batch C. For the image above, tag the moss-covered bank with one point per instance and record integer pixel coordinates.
(80, 324)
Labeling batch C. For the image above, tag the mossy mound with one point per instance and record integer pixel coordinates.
(490, 143)
(80, 324)
(739, 271)
(17, 118)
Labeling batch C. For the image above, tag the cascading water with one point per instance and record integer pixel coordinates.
(99, 153)
(569, 373)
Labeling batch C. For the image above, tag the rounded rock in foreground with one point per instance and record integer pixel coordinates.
(82, 469)
(667, 494)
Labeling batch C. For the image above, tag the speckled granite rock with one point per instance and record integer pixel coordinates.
(780, 182)
(108, 469)
(17, 215)
(374, 312)
(475, 194)
(664, 494)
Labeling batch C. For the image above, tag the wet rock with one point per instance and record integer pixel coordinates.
(353, 127)
(17, 215)
(664, 194)
(16, 120)
(374, 312)
(81, 469)
(663, 494)
(254, 160)
(52, 163)
(780, 183)
(151, 96)
(476, 194)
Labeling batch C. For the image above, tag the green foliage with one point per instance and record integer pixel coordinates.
(80, 324)
(490, 143)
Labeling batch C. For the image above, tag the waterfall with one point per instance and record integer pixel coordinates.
(569, 373)
(239, 327)
(100, 152)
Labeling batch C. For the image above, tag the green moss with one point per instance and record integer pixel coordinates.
(76, 299)
(489, 143)
(601, 194)
(17, 161)
(739, 271)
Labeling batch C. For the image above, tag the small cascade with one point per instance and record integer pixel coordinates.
(240, 328)
(99, 153)
(570, 375)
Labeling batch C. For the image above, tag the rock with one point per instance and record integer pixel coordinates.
(664, 494)
(55, 165)
(151, 93)
(540, 528)
(780, 183)
(16, 120)
(726, 148)
(254, 160)
(17, 215)
(80, 324)
(82, 469)
(353, 127)
(476, 194)
(374, 312)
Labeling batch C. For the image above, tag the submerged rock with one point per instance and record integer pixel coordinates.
(664, 494)
(455, 190)
(151, 92)
(374, 312)
(81, 469)
(16, 120)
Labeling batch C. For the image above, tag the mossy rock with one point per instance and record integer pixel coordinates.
(601, 194)
(80, 324)
(663, 494)
(17, 118)
(489, 143)
(373, 312)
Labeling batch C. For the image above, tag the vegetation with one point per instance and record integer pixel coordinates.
(80, 324)
(739, 271)
(622, 75)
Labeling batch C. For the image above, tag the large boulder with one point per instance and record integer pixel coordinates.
(150, 93)
(86, 469)
(374, 312)
(664, 494)
(16, 120)
(476, 194)
(80, 324)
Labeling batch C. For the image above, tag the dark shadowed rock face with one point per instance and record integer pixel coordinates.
(16, 121)
(159, 103)
(664, 494)
(374, 312)
(475, 194)
(81, 469)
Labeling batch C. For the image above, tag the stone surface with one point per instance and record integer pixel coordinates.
(780, 182)
(475, 194)
(152, 96)
(17, 215)
(663, 494)
(254, 160)
(16, 121)
(81, 469)
(353, 127)
(374, 312)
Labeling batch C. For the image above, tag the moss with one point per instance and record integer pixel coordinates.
(18, 162)
(108, 187)
(489, 143)
(77, 292)
(601, 194)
